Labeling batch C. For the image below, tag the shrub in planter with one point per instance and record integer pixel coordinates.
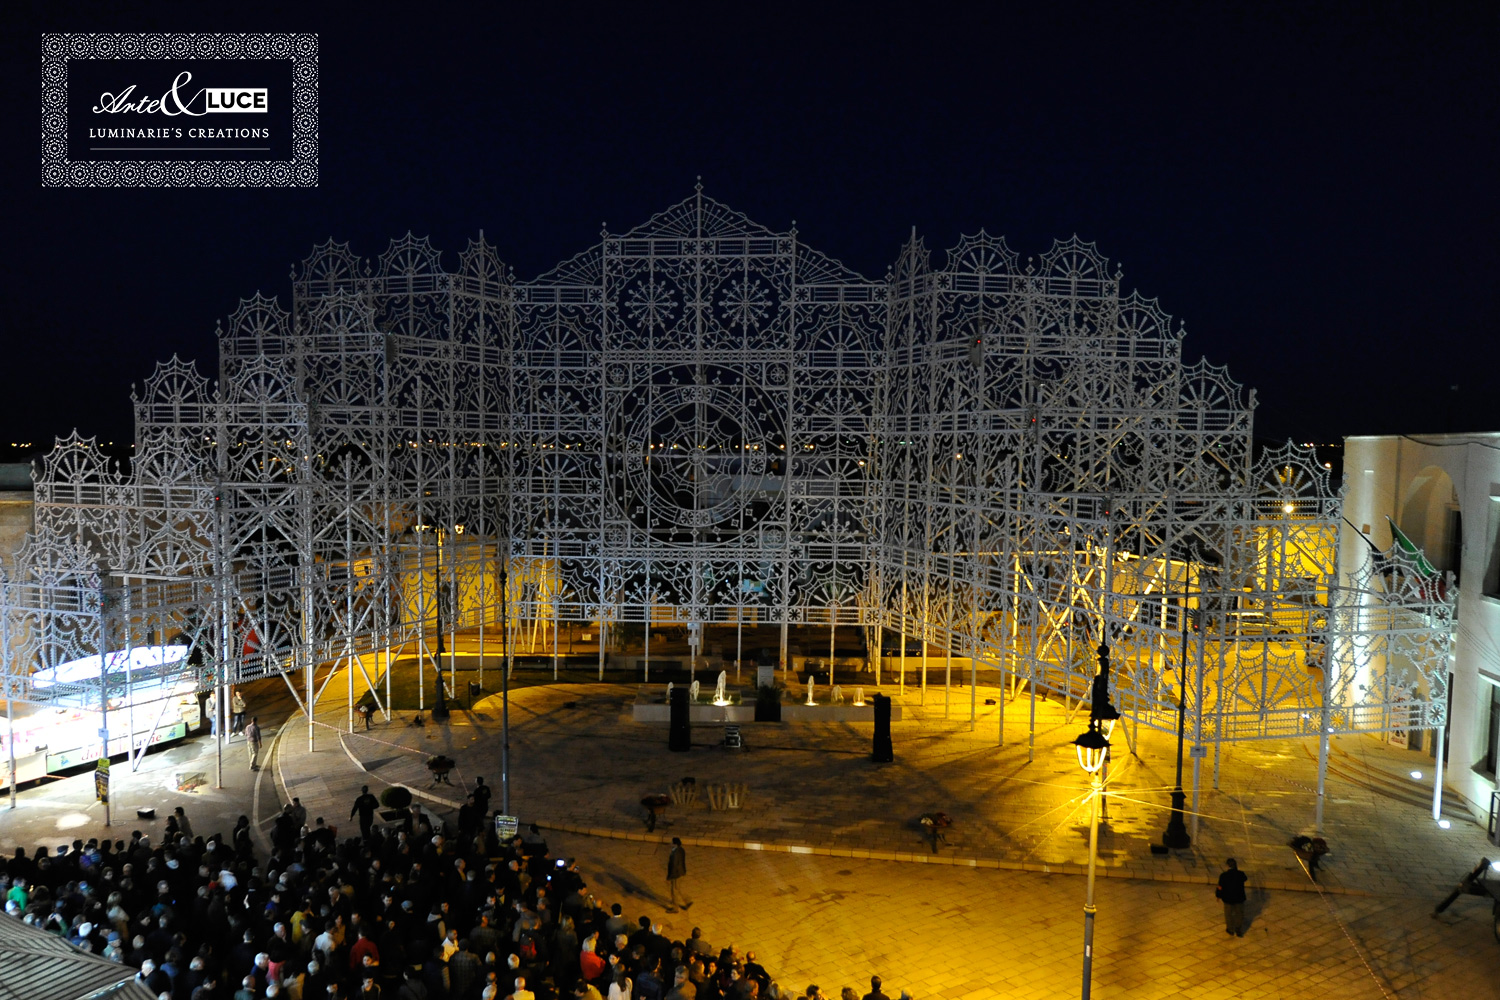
(395, 797)
(767, 705)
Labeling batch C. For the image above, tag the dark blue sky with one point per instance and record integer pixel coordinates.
(1311, 188)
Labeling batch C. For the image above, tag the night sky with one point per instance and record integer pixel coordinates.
(1312, 189)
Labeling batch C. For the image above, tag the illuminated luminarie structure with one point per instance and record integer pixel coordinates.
(707, 422)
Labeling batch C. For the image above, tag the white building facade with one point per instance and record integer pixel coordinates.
(1443, 492)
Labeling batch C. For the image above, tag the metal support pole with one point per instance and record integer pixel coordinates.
(1198, 748)
(505, 653)
(786, 662)
(421, 620)
(1031, 690)
(1322, 779)
(947, 675)
(973, 686)
(1437, 775)
(221, 722)
(104, 678)
(1000, 727)
(923, 699)
(1197, 772)
(902, 675)
(10, 740)
(1088, 907)
(833, 616)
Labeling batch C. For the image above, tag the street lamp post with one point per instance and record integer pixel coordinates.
(1092, 747)
(440, 709)
(1177, 836)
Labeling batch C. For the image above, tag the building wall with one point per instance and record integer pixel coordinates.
(15, 522)
(1421, 484)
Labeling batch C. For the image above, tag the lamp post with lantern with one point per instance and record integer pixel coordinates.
(440, 709)
(1092, 747)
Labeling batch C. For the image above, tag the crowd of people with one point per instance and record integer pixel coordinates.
(409, 910)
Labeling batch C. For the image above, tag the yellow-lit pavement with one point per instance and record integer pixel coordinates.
(997, 911)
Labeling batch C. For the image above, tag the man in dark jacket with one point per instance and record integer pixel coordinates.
(1231, 892)
(676, 872)
(365, 805)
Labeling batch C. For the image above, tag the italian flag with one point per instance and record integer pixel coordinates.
(1409, 547)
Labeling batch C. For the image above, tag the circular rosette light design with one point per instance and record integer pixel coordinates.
(696, 454)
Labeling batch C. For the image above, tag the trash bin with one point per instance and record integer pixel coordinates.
(475, 692)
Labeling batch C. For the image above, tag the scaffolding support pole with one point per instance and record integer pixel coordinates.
(1437, 774)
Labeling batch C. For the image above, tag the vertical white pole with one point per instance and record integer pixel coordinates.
(833, 616)
(221, 720)
(10, 687)
(786, 662)
(421, 622)
(10, 740)
(1031, 735)
(1322, 779)
(484, 613)
(947, 674)
(1437, 774)
(1197, 772)
(104, 679)
(923, 700)
(973, 685)
(349, 670)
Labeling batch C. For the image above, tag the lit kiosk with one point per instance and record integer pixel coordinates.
(145, 686)
(1093, 749)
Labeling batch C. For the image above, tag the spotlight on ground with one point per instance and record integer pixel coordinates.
(1416, 776)
(1443, 824)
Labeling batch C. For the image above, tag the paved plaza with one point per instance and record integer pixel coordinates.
(824, 871)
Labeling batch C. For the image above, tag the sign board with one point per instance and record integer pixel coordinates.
(506, 827)
(1197, 751)
(117, 745)
(101, 779)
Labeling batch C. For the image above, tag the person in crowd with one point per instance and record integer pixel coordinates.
(252, 742)
(365, 805)
(237, 706)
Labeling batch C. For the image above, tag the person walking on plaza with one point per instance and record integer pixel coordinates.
(876, 993)
(183, 824)
(237, 706)
(252, 742)
(481, 794)
(1231, 891)
(676, 872)
(365, 805)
